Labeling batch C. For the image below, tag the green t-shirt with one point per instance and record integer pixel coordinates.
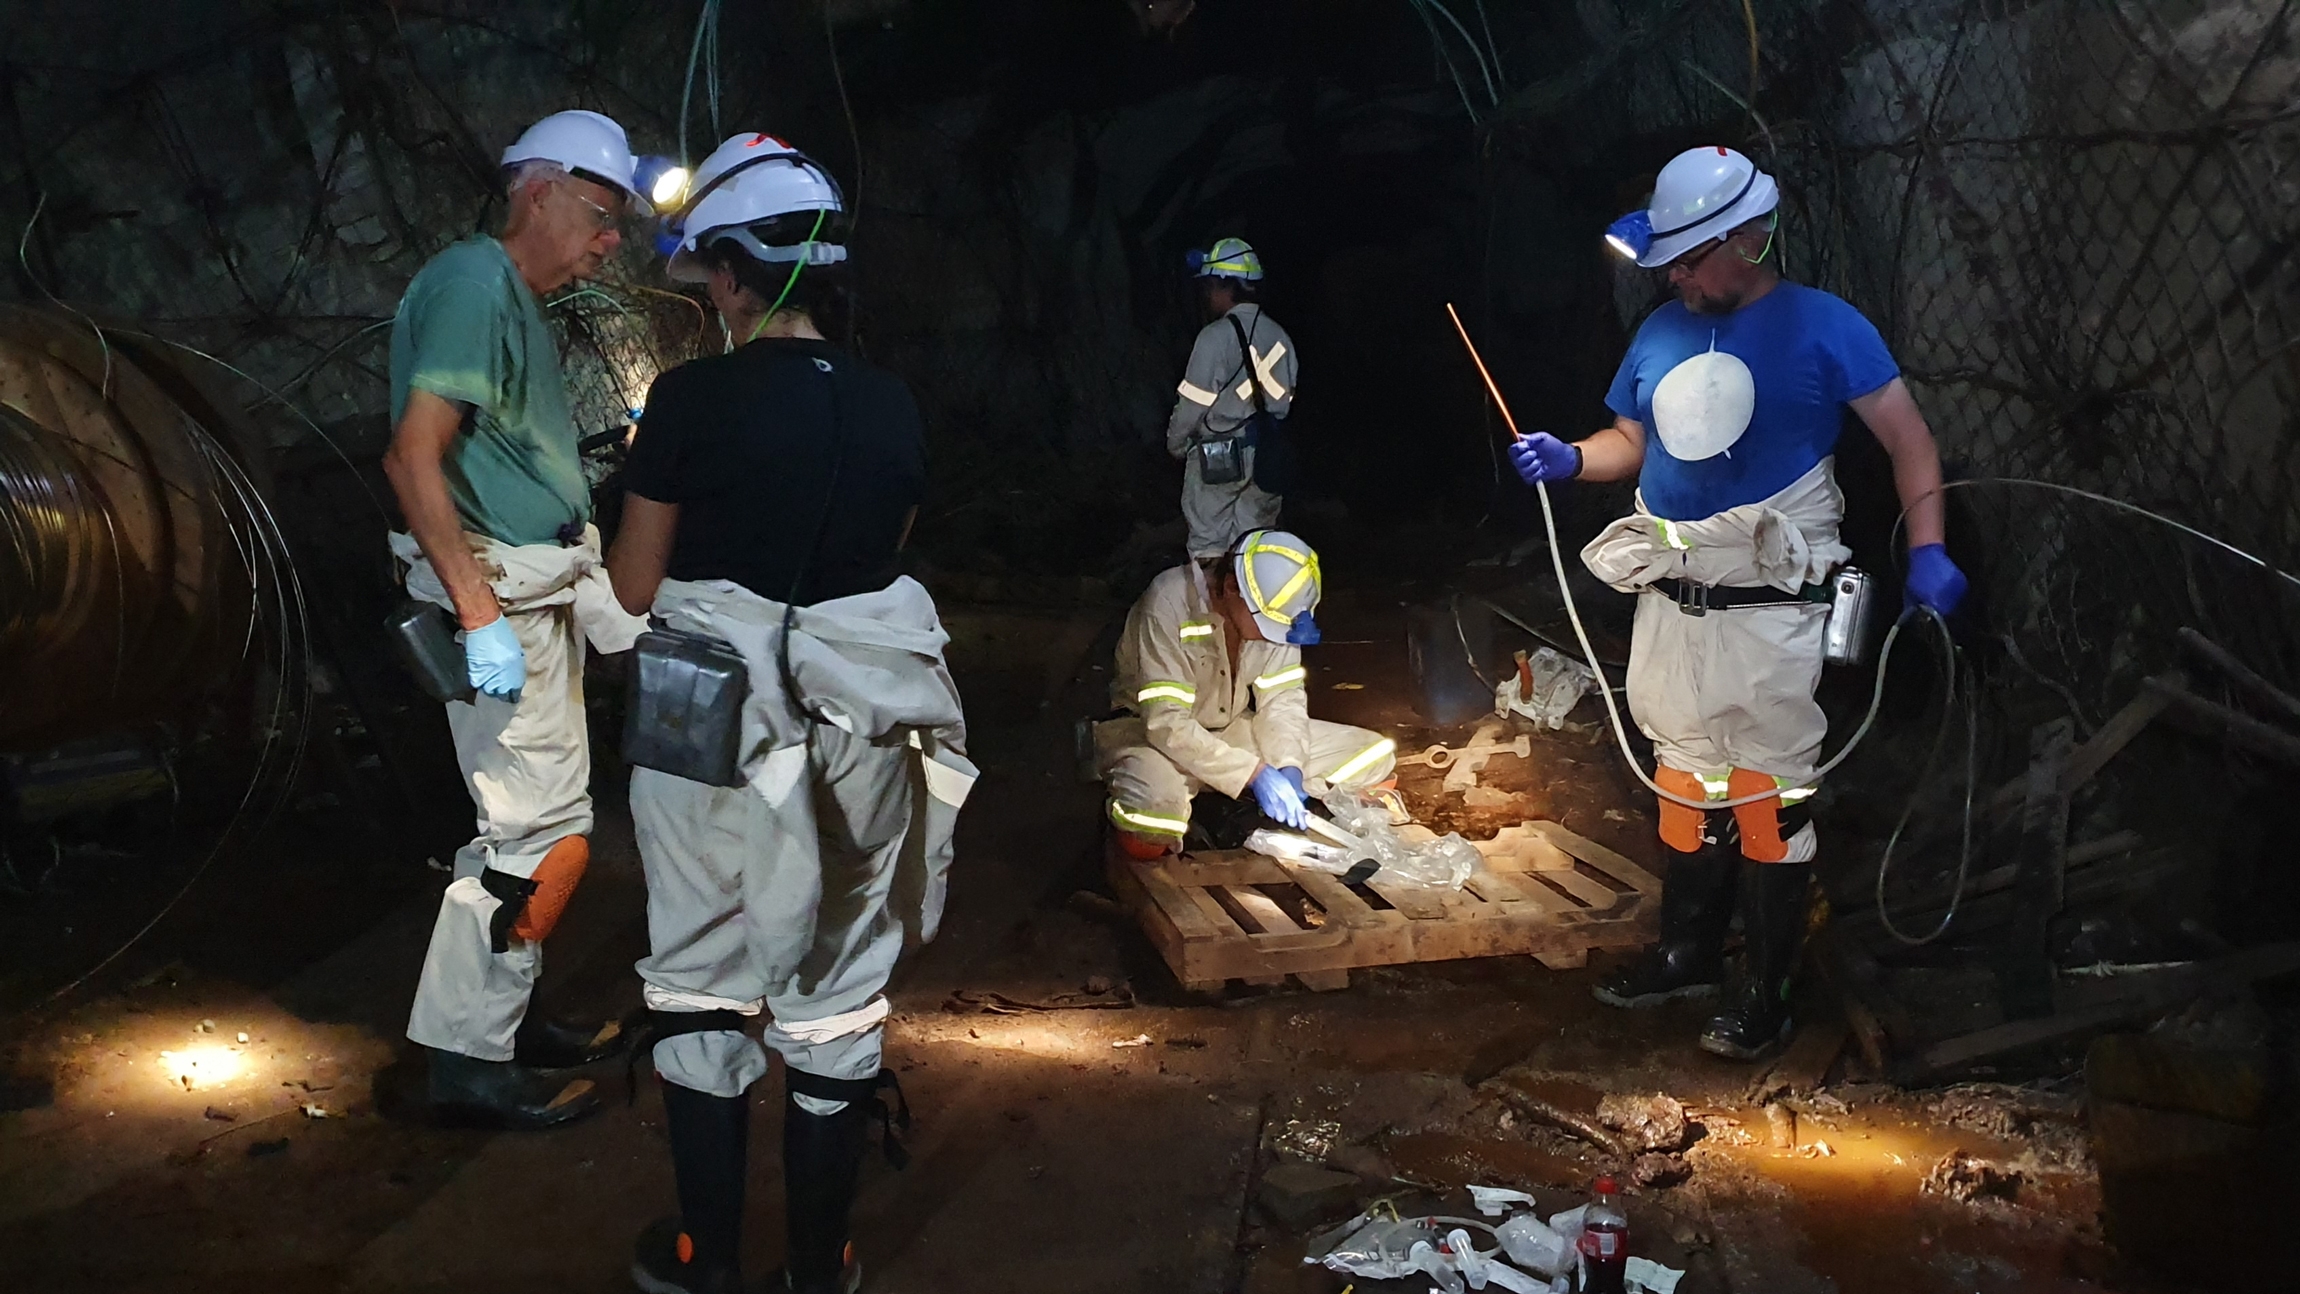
(468, 330)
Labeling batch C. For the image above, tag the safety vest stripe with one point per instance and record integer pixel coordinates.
(1197, 629)
(1283, 678)
(1133, 821)
(1265, 367)
(1195, 393)
(1165, 690)
(1363, 760)
(1716, 788)
(1791, 793)
(1671, 536)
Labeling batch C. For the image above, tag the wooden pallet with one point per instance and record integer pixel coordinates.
(1543, 892)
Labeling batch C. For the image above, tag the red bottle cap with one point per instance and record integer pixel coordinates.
(1607, 1186)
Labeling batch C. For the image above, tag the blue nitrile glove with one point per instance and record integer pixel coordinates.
(1543, 457)
(1934, 580)
(1280, 797)
(1294, 775)
(497, 664)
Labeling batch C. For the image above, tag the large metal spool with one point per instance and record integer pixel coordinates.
(128, 576)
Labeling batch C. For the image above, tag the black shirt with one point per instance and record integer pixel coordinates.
(746, 444)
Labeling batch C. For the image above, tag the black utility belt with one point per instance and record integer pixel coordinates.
(1701, 599)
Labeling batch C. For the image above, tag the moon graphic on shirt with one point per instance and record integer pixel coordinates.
(1703, 406)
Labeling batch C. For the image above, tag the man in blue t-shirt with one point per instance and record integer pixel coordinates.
(1727, 410)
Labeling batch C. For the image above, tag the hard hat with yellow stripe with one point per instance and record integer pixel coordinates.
(1278, 576)
(1228, 258)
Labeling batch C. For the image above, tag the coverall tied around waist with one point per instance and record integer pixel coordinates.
(1193, 723)
(528, 767)
(1727, 696)
(1214, 400)
(796, 893)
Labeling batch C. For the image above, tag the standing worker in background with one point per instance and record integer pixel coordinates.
(484, 462)
(771, 489)
(1241, 364)
(1210, 670)
(1727, 411)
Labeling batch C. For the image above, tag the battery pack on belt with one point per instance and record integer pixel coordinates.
(1701, 599)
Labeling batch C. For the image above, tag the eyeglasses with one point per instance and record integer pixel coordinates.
(600, 216)
(1691, 261)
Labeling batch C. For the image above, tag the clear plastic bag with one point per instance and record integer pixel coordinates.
(1559, 683)
(1378, 1248)
(1532, 1245)
(1301, 851)
(1444, 863)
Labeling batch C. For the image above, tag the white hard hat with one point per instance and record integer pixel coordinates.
(1278, 576)
(590, 146)
(1703, 193)
(745, 181)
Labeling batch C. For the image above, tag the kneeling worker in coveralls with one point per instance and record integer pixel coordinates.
(1727, 411)
(1210, 671)
(770, 490)
(484, 462)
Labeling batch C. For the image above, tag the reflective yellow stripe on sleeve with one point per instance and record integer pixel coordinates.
(1284, 678)
(1195, 393)
(1196, 629)
(1671, 536)
(1167, 690)
(1363, 760)
(1147, 822)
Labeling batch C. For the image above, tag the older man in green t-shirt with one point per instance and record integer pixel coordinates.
(484, 461)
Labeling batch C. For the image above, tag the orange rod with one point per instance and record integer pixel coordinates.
(1514, 433)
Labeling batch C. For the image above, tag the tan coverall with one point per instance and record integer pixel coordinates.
(1198, 723)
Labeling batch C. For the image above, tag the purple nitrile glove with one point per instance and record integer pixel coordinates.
(1276, 793)
(1934, 581)
(1543, 457)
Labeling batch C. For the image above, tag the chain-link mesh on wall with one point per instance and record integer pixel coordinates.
(2076, 222)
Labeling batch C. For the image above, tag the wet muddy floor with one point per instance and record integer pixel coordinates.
(1084, 1124)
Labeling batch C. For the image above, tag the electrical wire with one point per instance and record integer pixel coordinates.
(854, 132)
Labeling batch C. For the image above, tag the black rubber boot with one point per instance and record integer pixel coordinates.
(503, 1094)
(822, 1161)
(544, 1043)
(699, 1252)
(1773, 928)
(1696, 908)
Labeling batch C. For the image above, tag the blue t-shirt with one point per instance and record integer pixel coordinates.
(1748, 401)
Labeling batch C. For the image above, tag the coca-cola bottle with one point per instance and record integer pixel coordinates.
(1604, 1242)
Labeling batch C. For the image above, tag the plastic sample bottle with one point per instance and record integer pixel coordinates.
(1604, 1242)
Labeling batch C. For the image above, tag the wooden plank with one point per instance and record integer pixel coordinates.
(1169, 898)
(2135, 999)
(1266, 913)
(1226, 868)
(1925, 907)
(2278, 700)
(2024, 969)
(1560, 961)
(1413, 900)
(1591, 892)
(1209, 906)
(1492, 888)
(1599, 857)
(2102, 746)
(1336, 898)
(2209, 719)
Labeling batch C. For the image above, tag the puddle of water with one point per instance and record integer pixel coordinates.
(1442, 1159)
